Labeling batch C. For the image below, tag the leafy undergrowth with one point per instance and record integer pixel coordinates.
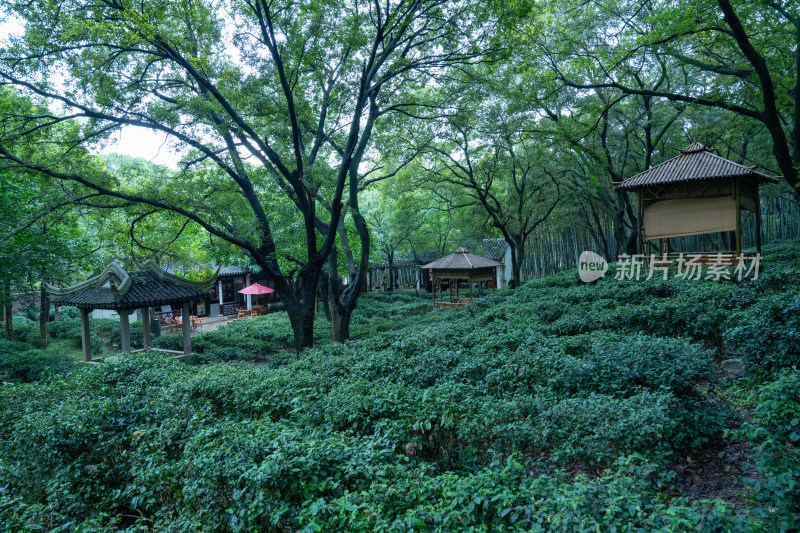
(558, 406)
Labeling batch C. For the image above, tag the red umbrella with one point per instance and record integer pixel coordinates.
(256, 288)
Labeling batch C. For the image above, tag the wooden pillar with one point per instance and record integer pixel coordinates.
(247, 296)
(124, 330)
(147, 314)
(186, 322)
(86, 336)
(738, 218)
(639, 227)
(758, 220)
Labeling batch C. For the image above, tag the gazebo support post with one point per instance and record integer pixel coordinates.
(758, 222)
(86, 337)
(146, 324)
(186, 322)
(738, 218)
(125, 330)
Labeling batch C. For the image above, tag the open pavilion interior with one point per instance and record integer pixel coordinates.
(126, 291)
(462, 265)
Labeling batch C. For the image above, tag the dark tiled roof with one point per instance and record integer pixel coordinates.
(233, 270)
(461, 259)
(695, 162)
(117, 288)
(397, 263)
(494, 249)
(425, 257)
(224, 270)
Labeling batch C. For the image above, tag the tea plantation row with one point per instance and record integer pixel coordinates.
(555, 407)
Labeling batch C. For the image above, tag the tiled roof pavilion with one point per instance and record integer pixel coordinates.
(461, 259)
(696, 162)
(117, 288)
(125, 291)
(459, 266)
(695, 193)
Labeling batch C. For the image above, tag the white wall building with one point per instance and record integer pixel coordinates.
(499, 250)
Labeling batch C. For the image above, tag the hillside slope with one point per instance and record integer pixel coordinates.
(558, 406)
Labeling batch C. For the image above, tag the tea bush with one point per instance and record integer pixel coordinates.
(20, 363)
(768, 332)
(777, 438)
(254, 339)
(556, 406)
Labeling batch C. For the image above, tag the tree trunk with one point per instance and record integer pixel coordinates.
(298, 298)
(9, 322)
(323, 295)
(344, 240)
(309, 291)
(390, 257)
(344, 324)
(44, 316)
(517, 258)
(349, 297)
(334, 293)
(516, 265)
(770, 115)
(293, 311)
(8, 306)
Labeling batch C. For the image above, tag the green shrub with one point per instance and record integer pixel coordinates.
(23, 329)
(776, 435)
(169, 342)
(69, 313)
(226, 353)
(622, 364)
(33, 336)
(556, 406)
(768, 333)
(66, 327)
(19, 363)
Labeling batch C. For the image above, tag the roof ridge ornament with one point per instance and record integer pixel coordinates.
(163, 275)
(117, 277)
(117, 281)
(696, 147)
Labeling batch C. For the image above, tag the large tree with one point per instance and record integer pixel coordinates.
(510, 175)
(279, 98)
(741, 56)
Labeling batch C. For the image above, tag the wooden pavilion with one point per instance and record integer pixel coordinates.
(695, 193)
(461, 265)
(125, 291)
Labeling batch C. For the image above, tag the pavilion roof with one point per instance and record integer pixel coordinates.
(424, 257)
(224, 270)
(117, 288)
(494, 249)
(696, 162)
(461, 259)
